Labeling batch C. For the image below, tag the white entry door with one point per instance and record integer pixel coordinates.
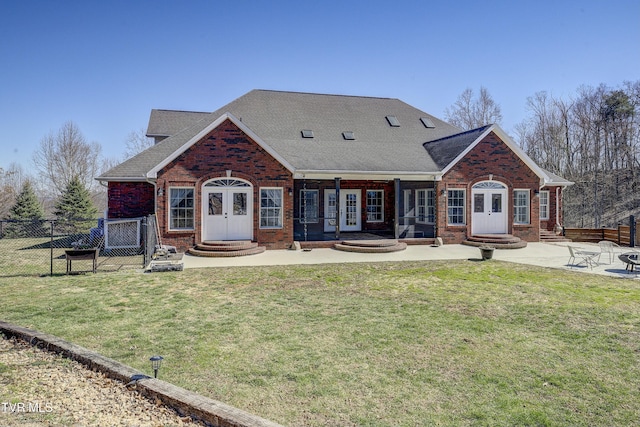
(227, 213)
(349, 213)
(489, 207)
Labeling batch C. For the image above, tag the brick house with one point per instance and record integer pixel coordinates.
(278, 167)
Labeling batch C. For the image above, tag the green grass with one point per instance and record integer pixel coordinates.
(389, 344)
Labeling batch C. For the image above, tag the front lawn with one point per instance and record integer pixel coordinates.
(389, 344)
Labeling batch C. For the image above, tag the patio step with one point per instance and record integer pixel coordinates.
(226, 248)
(550, 236)
(498, 241)
(371, 246)
(380, 243)
(318, 244)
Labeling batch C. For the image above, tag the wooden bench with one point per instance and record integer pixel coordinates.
(82, 254)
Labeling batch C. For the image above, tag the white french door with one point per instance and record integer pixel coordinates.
(349, 212)
(227, 213)
(489, 206)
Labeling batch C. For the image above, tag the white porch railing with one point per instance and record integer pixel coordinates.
(122, 233)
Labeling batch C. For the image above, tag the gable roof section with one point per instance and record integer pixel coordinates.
(137, 167)
(460, 140)
(145, 165)
(202, 133)
(445, 150)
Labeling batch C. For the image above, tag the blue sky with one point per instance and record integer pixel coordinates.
(105, 64)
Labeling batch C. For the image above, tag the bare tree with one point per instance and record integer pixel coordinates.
(470, 113)
(544, 136)
(137, 142)
(64, 155)
(460, 114)
(594, 141)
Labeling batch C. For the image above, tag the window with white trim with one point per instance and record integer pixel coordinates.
(271, 208)
(544, 204)
(181, 208)
(456, 207)
(521, 207)
(426, 206)
(431, 206)
(309, 206)
(375, 205)
(421, 206)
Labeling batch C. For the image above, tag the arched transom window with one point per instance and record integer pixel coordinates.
(227, 182)
(489, 185)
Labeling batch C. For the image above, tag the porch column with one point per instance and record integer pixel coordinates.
(337, 180)
(396, 215)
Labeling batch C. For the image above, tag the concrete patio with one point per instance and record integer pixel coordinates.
(553, 255)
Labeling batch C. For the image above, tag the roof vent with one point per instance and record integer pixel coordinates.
(426, 121)
(348, 135)
(306, 133)
(393, 121)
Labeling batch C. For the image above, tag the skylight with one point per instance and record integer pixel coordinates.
(307, 133)
(426, 121)
(393, 121)
(348, 135)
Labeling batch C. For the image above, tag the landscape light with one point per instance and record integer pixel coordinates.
(156, 362)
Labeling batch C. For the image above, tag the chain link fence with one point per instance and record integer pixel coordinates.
(40, 247)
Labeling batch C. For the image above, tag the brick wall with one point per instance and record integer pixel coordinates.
(130, 199)
(226, 148)
(489, 159)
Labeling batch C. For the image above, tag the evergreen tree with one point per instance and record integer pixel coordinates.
(27, 213)
(74, 205)
(27, 205)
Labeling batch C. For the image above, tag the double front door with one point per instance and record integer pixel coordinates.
(347, 213)
(227, 213)
(489, 205)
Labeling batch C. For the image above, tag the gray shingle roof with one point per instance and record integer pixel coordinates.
(278, 118)
(137, 167)
(444, 150)
(169, 122)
